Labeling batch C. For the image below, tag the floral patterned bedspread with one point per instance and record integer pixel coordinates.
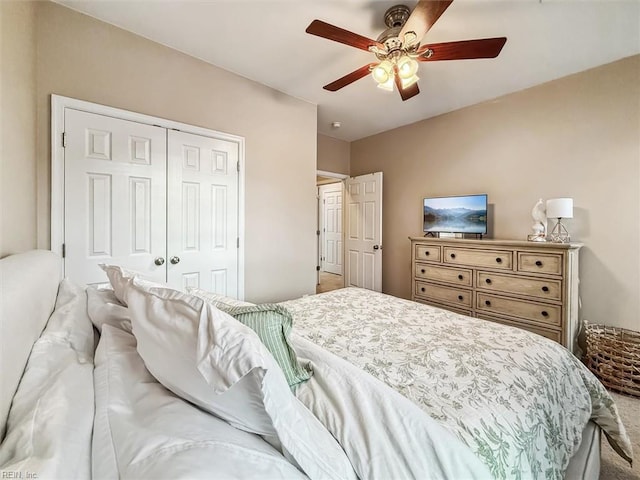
(518, 400)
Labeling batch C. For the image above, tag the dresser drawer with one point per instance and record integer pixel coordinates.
(554, 335)
(542, 313)
(429, 253)
(501, 259)
(436, 273)
(549, 289)
(549, 263)
(451, 308)
(438, 293)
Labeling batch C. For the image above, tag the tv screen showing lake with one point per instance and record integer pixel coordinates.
(466, 214)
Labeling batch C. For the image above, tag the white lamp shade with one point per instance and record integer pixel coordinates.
(560, 208)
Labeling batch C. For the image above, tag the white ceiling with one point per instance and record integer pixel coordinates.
(265, 40)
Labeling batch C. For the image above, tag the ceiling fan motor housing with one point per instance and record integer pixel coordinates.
(395, 18)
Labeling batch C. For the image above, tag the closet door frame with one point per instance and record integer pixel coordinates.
(58, 106)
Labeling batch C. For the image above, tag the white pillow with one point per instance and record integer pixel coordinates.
(216, 298)
(212, 360)
(104, 308)
(120, 278)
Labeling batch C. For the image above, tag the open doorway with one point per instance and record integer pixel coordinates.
(330, 245)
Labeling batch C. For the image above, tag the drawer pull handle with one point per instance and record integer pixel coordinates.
(422, 289)
(538, 263)
(499, 260)
(426, 254)
(423, 271)
(545, 289)
(544, 313)
(453, 255)
(460, 297)
(487, 303)
(488, 281)
(460, 277)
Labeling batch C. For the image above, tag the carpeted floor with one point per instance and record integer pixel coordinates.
(329, 281)
(612, 466)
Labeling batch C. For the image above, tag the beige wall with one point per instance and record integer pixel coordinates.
(17, 127)
(578, 137)
(80, 57)
(333, 155)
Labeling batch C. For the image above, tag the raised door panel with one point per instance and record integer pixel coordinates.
(115, 196)
(353, 273)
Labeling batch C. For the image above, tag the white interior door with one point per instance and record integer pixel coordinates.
(203, 240)
(363, 263)
(332, 243)
(115, 196)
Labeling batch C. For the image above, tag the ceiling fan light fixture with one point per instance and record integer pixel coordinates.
(407, 82)
(407, 67)
(383, 72)
(388, 85)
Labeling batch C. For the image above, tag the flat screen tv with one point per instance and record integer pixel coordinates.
(460, 214)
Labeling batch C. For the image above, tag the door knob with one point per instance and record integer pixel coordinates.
(377, 247)
(174, 260)
(159, 261)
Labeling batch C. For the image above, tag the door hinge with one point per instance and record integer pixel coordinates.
(317, 268)
(64, 139)
(237, 242)
(317, 232)
(238, 167)
(64, 250)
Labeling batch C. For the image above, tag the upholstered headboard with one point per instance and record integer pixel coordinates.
(28, 288)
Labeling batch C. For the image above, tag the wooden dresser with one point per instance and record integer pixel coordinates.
(524, 284)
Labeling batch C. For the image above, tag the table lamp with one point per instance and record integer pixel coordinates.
(559, 208)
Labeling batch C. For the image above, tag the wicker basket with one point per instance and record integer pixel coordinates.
(613, 355)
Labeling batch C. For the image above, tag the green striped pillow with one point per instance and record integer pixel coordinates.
(273, 324)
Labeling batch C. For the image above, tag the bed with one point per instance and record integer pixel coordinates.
(141, 381)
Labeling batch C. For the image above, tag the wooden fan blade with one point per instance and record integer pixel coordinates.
(405, 93)
(426, 13)
(337, 34)
(462, 50)
(350, 78)
(409, 92)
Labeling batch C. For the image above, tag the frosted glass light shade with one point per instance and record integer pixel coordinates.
(560, 208)
(407, 67)
(382, 72)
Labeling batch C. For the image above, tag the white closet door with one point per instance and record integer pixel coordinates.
(203, 213)
(115, 196)
(332, 228)
(363, 264)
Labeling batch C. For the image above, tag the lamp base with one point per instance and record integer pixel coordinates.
(559, 234)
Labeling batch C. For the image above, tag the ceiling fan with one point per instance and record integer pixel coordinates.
(398, 48)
